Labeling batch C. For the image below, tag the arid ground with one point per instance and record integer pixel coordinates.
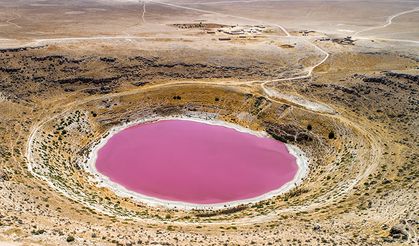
(338, 79)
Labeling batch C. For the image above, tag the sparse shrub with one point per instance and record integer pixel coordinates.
(70, 239)
(170, 228)
(38, 232)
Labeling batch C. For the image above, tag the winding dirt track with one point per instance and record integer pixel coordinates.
(388, 22)
(10, 20)
(143, 10)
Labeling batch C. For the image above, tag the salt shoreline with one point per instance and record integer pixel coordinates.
(104, 181)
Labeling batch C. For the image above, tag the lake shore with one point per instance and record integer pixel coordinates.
(104, 181)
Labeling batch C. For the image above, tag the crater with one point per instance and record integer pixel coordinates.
(79, 132)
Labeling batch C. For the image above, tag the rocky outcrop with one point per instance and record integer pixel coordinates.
(399, 232)
(412, 78)
(86, 80)
(9, 69)
(377, 80)
(288, 133)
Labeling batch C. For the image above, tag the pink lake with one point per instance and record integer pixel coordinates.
(192, 162)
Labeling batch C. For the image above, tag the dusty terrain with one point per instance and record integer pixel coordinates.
(70, 71)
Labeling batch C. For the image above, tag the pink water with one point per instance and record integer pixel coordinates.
(193, 162)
